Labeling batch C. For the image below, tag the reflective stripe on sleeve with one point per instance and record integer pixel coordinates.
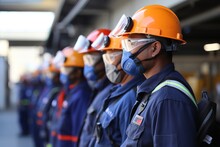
(177, 85)
(67, 138)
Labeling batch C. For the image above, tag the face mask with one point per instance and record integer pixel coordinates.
(64, 79)
(89, 73)
(131, 65)
(113, 74)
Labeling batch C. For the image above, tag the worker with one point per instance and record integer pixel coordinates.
(76, 100)
(56, 105)
(94, 71)
(113, 117)
(165, 114)
(38, 92)
(23, 105)
(52, 74)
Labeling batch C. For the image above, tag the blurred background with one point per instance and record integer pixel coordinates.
(31, 28)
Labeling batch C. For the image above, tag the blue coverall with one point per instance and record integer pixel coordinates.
(43, 111)
(23, 107)
(103, 86)
(37, 91)
(73, 113)
(113, 118)
(39, 122)
(55, 112)
(169, 118)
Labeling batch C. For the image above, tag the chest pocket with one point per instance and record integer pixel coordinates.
(134, 131)
(109, 117)
(90, 119)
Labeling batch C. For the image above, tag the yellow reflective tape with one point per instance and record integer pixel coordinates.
(24, 102)
(49, 145)
(177, 85)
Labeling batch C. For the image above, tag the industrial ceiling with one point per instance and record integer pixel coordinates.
(200, 21)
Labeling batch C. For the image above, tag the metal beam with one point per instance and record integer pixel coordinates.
(72, 14)
(94, 12)
(25, 43)
(201, 17)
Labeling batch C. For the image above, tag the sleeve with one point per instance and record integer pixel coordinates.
(79, 108)
(174, 124)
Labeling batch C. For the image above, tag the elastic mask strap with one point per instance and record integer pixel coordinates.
(140, 50)
(118, 70)
(98, 61)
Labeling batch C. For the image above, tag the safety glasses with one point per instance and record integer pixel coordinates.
(130, 44)
(66, 70)
(91, 59)
(100, 42)
(111, 57)
(50, 74)
(125, 24)
(82, 44)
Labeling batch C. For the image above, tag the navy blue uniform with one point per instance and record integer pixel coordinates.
(39, 122)
(114, 116)
(36, 93)
(55, 112)
(103, 87)
(73, 112)
(43, 112)
(23, 108)
(169, 118)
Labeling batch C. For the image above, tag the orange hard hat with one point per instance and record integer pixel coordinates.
(73, 59)
(93, 36)
(158, 21)
(52, 68)
(111, 43)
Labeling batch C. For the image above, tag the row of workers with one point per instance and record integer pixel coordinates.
(119, 88)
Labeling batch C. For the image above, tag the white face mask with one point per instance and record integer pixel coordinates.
(113, 74)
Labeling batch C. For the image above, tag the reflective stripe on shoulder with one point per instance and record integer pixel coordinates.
(177, 85)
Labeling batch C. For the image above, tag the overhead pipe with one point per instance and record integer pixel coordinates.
(201, 17)
(73, 13)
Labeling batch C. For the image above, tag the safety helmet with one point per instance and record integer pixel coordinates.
(83, 44)
(60, 56)
(156, 20)
(104, 42)
(53, 68)
(73, 59)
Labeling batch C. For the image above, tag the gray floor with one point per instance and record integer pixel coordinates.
(9, 131)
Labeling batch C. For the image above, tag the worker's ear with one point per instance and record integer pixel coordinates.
(156, 48)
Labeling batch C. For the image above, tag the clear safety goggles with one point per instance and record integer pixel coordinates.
(130, 44)
(111, 57)
(101, 42)
(50, 74)
(91, 59)
(66, 70)
(59, 59)
(82, 44)
(125, 24)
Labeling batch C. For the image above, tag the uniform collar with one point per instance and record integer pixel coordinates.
(149, 84)
(101, 84)
(80, 85)
(119, 90)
